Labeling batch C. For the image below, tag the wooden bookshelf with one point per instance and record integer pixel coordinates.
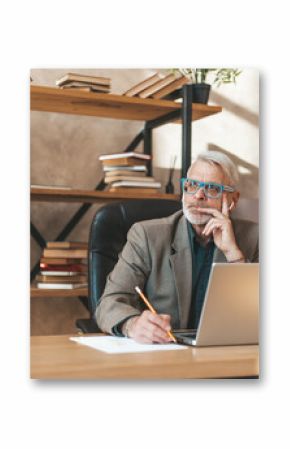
(44, 293)
(91, 196)
(112, 106)
(66, 101)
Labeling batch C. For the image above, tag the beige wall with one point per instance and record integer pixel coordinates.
(65, 150)
(234, 131)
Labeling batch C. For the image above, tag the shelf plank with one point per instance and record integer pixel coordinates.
(44, 293)
(91, 196)
(69, 101)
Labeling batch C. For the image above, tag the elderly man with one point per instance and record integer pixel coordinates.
(170, 258)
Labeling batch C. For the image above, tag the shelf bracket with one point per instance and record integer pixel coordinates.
(135, 142)
(37, 236)
(147, 148)
(164, 119)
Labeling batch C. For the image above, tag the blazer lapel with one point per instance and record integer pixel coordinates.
(181, 264)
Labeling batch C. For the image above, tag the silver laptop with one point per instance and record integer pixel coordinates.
(230, 313)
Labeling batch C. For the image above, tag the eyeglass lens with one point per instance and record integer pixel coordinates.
(210, 190)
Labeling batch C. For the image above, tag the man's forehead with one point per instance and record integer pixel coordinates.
(205, 171)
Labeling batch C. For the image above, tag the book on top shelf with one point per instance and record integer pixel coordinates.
(46, 285)
(143, 85)
(174, 85)
(157, 86)
(86, 87)
(69, 77)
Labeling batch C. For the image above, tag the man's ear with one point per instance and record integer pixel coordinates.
(234, 201)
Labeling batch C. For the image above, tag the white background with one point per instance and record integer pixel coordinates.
(203, 414)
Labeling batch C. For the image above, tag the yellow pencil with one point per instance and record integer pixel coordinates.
(151, 308)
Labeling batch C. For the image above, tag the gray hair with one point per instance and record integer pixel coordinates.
(221, 159)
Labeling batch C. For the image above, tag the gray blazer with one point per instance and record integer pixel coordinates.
(157, 257)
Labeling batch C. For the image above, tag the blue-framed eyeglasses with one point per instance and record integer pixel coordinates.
(211, 189)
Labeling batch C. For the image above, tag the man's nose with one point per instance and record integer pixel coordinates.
(200, 195)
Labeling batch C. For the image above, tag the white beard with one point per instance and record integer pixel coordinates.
(193, 217)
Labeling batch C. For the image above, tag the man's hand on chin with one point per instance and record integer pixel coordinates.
(220, 227)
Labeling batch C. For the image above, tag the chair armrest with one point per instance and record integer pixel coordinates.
(87, 326)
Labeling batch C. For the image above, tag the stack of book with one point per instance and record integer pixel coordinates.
(84, 82)
(157, 86)
(127, 172)
(63, 265)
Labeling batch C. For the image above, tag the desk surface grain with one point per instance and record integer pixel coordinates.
(57, 357)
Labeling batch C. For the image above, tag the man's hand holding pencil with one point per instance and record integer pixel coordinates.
(149, 327)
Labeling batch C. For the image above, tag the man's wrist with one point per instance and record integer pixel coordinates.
(235, 256)
(127, 326)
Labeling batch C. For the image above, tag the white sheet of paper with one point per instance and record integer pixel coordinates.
(122, 345)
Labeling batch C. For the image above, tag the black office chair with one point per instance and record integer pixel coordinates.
(108, 235)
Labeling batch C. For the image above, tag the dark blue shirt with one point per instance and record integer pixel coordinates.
(202, 257)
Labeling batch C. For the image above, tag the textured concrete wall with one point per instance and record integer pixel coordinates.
(65, 150)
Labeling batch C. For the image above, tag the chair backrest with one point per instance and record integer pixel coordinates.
(247, 209)
(108, 235)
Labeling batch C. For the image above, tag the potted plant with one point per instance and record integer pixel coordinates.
(199, 78)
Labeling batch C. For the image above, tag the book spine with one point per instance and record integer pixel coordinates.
(45, 285)
(123, 162)
(67, 245)
(70, 77)
(126, 190)
(177, 84)
(157, 86)
(110, 179)
(143, 85)
(66, 253)
(132, 155)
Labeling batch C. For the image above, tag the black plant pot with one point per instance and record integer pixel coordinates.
(200, 93)
(169, 188)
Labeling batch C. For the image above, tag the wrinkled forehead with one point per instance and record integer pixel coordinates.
(207, 172)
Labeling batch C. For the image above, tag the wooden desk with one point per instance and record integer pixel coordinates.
(57, 357)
